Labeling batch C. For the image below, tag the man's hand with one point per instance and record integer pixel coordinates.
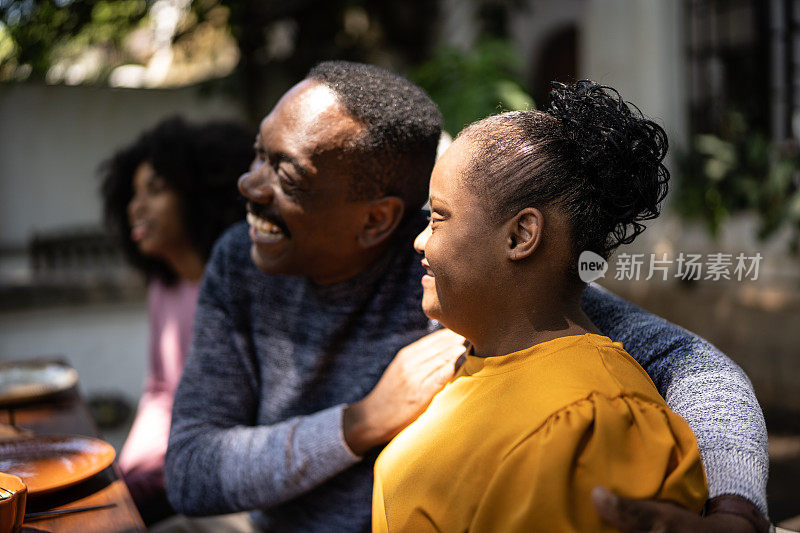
(408, 385)
(645, 516)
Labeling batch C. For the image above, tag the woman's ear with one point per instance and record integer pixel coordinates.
(380, 220)
(524, 233)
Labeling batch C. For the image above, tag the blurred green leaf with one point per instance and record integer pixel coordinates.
(470, 85)
(741, 171)
(46, 31)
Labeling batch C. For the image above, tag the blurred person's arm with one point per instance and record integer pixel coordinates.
(142, 456)
(702, 385)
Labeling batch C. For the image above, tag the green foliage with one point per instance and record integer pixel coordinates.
(470, 85)
(41, 32)
(737, 172)
(8, 48)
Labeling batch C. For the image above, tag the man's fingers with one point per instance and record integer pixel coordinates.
(433, 346)
(438, 338)
(629, 516)
(439, 370)
(434, 336)
(446, 342)
(443, 363)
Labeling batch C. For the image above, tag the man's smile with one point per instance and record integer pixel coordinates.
(264, 228)
(264, 231)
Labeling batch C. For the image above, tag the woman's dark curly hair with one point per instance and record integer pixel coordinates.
(201, 163)
(596, 158)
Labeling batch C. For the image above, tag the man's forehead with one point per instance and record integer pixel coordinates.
(313, 97)
(312, 110)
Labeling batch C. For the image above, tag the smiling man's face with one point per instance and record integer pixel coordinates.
(302, 221)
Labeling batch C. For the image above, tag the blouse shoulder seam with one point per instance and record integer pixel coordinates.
(589, 398)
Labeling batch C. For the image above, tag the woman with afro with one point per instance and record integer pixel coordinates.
(168, 196)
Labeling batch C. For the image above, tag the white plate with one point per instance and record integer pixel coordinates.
(22, 381)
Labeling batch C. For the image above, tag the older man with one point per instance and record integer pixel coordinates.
(289, 392)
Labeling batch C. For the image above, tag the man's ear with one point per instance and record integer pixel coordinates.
(381, 219)
(524, 233)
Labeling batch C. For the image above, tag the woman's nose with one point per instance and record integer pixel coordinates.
(422, 239)
(134, 206)
(255, 186)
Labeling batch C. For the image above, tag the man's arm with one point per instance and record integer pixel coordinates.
(218, 460)
(702, 385)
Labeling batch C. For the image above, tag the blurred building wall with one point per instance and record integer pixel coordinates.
(754, 322)
(107, 344)
(638, 47)
(52, 139)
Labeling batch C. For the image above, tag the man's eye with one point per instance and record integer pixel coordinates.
(287, 184)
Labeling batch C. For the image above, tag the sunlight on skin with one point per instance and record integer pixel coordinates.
(317, 101)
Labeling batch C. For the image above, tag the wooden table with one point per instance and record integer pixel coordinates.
(67, 413)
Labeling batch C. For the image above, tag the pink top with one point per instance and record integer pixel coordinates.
(171, 312)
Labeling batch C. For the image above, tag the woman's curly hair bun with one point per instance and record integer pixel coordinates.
(619, 155)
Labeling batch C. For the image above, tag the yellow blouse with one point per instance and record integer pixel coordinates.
(517, 442)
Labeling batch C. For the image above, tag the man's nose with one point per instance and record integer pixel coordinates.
(255, 186)
(422, 239)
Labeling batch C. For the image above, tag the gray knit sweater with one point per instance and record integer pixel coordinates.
(257, 419)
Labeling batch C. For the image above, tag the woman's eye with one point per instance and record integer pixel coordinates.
(155, 187)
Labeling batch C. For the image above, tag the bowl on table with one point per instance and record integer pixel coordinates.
(13, 494)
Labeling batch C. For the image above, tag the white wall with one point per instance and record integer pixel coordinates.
(637, 46)
(531, 25)
(52, 139)
(107, 344)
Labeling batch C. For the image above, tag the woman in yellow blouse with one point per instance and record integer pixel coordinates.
(545, 408)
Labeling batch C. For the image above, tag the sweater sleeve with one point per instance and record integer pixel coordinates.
(699, 383)
(218, 460)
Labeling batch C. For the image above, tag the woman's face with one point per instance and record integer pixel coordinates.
(154, 214)
(461, 247)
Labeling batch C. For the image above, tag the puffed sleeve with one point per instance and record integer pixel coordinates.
(632, 446)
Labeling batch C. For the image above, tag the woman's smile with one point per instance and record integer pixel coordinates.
(459, 248)
(428, 281)
(154, 214)
(139, 230)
